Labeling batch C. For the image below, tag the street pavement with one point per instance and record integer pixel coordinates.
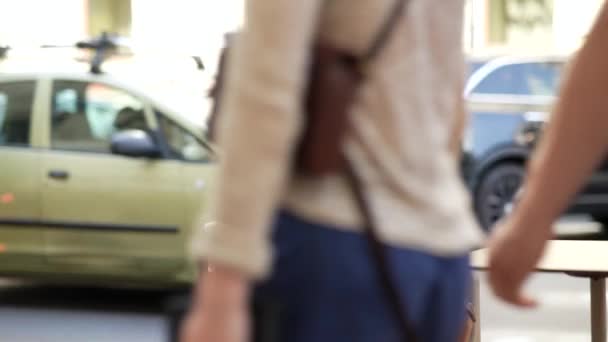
(31, 313)
(564, 302)
(563, 314)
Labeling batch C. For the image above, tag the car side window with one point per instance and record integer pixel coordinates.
(544, 78)
(536, 78)
(508, 79)
(181, 144)
(86, 115)
(15, 112)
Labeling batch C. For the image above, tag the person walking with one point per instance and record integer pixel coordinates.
(301, 239)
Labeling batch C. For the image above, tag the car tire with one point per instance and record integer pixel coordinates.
(176, 308)
(495, 192)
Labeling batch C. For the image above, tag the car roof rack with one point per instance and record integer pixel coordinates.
(106, 45)
(199, 62)
(102, 46)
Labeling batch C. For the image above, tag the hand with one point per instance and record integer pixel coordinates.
(514, 251)
(224, 325)
(220, 312)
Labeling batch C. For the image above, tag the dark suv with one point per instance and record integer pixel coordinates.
(505, 95)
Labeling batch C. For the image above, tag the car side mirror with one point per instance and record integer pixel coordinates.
(134, 143)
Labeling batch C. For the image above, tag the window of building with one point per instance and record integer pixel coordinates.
(112, 16)
(512, 17)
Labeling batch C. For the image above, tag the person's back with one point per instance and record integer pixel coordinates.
(401, 141)
(404, 121)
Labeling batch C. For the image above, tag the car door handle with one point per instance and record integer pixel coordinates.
(59, 174)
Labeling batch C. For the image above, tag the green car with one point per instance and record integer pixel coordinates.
(99, 184)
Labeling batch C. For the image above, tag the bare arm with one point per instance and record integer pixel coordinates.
(574, 143)
(576, 140)
(261, 121)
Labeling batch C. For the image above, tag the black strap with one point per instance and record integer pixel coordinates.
(378, 251)
(384, 34)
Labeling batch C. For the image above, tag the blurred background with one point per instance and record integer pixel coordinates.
(511, 24)
(103, 257)
(163, 30)
(540, 26)
(492, 27)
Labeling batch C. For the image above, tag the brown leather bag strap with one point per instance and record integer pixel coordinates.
(386, 30)
(378, 251)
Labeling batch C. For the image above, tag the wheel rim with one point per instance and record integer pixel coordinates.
(498, 200)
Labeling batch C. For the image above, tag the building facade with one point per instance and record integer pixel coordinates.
(531, 26)
(544, 25)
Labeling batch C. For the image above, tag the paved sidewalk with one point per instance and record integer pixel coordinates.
(563, 314)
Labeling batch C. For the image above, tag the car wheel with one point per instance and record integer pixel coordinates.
(495, 193)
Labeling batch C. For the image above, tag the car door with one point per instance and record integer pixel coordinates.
(21, 237)
(107, 214)
(522, 83)
(198, 174)
(500, 139)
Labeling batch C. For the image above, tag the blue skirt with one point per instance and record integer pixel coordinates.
(329, 291)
